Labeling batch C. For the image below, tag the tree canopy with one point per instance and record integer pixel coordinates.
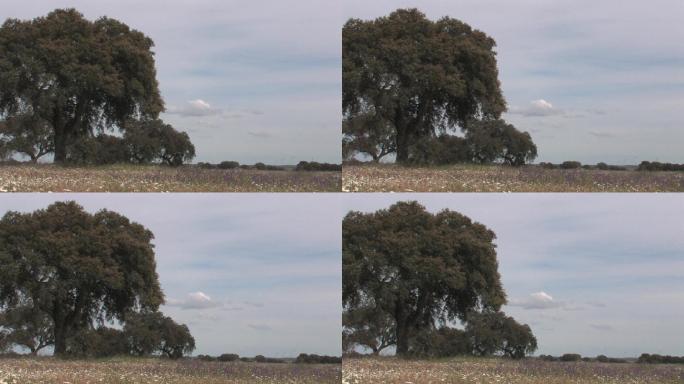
(420, 75)
(150, 332)
(76, 75)
(493, 332)
(417, 267)
(496, 140)
(76, 268)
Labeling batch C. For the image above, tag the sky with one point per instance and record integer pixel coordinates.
(590, 273)
(590, 80)
(256, 81)
(248, 273)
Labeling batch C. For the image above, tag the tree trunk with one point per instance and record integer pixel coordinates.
(60, 146)
(60, 340)
(402, 339)
(402, 146)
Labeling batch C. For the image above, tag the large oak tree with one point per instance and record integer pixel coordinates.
(76, 268)
(77, 75)
(420, 75)
(417, 267)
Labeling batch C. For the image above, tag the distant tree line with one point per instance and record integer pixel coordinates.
(404, 93)
(303, 166)
(313, 166)
(576, 165)
(303, 358)
(85, 78)
(656, 166)
(236, 165)
(67, 273)
(575, 357)
(408, 275)
(659, 359)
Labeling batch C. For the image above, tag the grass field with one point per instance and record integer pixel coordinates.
(498, 371)
(148, 371)
(154, 178)
(496, 178)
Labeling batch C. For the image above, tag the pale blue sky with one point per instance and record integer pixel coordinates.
(590, 273)
(249, 81)
(248, 273)
(610, 73)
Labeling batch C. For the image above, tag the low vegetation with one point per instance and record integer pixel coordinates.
(154, 370)
(497, 178)
(157, 178)
(495, 370)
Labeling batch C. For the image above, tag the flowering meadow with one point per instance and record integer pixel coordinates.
(153, 178)
(499, 371)
(496, 178)
(149, 371)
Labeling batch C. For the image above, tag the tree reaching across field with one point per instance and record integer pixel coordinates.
(418, 268)
(76, 75)
(419, 75)
(27, 135)
(76, 268)
(25, 326)
(368, 327)
(367, 134)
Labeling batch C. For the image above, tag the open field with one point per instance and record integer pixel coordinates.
(154, 178)
(498, 371)
(495, 178)
(147, 371)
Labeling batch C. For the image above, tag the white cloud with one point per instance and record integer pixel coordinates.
(538, 108)
(194, 300)
(537, 300)
(194, 108)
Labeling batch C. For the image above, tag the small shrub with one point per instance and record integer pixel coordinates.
(548, 165)
(228, 357)
(570, 165)
(571, 357)
(206, 165)
(228, 165)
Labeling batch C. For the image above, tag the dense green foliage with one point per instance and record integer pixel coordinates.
(418, 75)
(152, 332)
(495, 333)
(76, 268)
(76, 75)
(417, 267)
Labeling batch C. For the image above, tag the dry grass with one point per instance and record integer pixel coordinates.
(148, 371)
(495, 178)
(498, 371)
(154, 178)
